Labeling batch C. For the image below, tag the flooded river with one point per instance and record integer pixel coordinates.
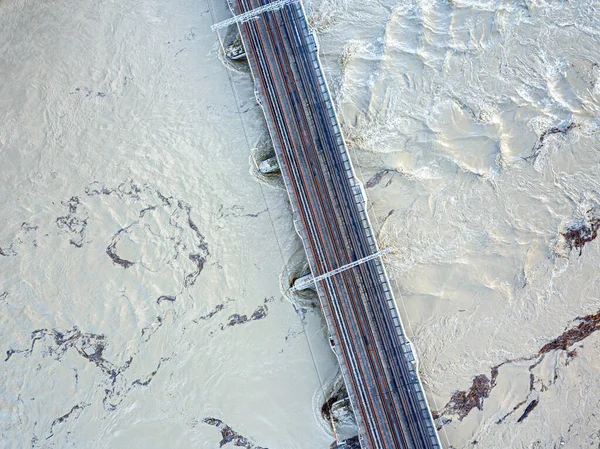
(140, 259)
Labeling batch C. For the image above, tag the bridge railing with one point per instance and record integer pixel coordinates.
(361, 202)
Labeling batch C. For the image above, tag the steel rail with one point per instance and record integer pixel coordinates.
(382, 393)
(369, 341)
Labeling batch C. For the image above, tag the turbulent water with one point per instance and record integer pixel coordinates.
(139, 269)
(140, 258)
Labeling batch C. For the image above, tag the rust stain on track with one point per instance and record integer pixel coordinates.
(377, 360)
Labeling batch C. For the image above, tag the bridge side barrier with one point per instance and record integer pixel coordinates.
(361, 201)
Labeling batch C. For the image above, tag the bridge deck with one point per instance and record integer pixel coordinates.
(376, 358)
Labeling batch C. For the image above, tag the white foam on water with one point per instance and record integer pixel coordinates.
(139, 267)
(476, 127)
(125, 169)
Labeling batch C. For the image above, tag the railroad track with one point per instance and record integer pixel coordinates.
(376, 358)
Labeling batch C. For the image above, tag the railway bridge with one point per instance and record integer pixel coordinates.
(377, 360)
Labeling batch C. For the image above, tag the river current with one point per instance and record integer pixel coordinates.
(140, 255)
